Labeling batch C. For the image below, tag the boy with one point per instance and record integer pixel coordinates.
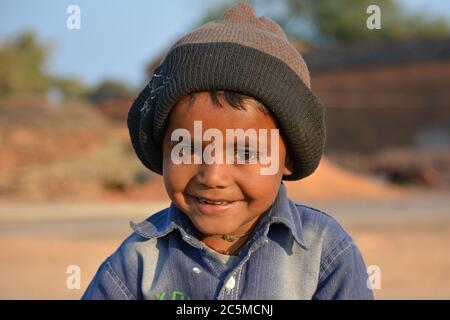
(231, 232)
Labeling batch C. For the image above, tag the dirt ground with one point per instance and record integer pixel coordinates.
(408, 238)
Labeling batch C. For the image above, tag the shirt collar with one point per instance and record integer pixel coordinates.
(283, 211)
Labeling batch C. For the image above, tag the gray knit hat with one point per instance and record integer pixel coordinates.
(240, 52)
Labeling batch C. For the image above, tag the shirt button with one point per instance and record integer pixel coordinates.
(196, 270)
(230, 283)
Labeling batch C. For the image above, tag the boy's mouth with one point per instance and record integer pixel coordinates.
(212, 206)
(213, 202)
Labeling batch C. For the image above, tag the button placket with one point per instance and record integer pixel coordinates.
(230, 286)
(231, 290)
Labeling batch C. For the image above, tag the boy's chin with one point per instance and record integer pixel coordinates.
(208, 228)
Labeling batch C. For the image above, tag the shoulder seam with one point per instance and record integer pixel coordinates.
(333, 219)
(325, 269)
(118, 282)
(314, 209)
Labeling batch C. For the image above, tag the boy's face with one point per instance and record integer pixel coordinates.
(246, 192)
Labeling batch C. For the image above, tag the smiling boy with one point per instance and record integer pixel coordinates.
(244, 193)
(231, 232)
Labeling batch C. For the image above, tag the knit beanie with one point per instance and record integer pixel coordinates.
(243, 53)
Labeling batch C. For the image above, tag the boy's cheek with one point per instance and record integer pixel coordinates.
(178, 172)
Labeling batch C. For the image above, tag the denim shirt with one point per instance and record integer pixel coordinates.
(296, 252)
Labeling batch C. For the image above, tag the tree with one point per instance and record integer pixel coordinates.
(21, 65)
(324, 22)
(70, 87)
(23, 69)
(110, 89)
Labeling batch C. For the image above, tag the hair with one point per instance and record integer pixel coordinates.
(235, 100)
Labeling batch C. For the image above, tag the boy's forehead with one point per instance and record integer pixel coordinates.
(203, 109)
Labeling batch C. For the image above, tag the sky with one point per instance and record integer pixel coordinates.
(118, 38)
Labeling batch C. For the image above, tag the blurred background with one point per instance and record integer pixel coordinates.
(70, 181)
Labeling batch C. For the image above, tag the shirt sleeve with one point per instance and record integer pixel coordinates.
(107, 285)
(119, 276)
(343, 275)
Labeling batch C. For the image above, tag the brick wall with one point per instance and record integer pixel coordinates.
(386, 105)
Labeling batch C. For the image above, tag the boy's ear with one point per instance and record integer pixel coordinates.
(287, 166)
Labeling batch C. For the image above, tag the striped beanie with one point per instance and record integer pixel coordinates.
(243, 53)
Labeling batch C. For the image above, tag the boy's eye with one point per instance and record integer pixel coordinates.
(244, 156)
(248, 156)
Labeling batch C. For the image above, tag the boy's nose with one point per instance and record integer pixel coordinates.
(213, 175)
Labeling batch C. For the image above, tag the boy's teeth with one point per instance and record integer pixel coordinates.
(211, 202)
